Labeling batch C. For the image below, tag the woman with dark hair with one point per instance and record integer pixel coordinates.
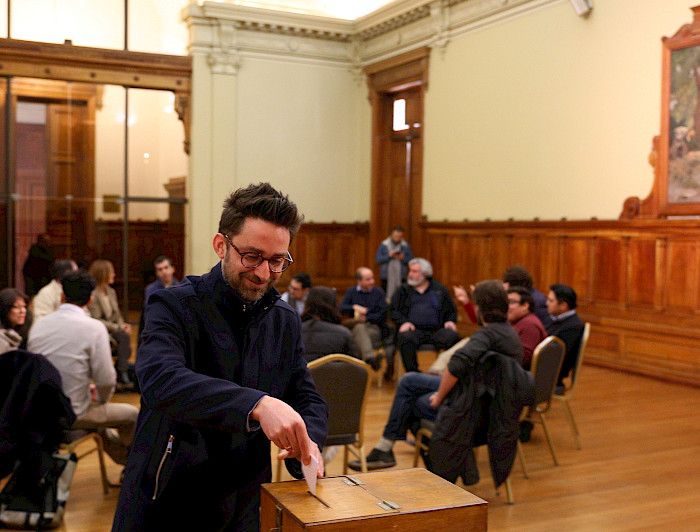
(321, 330)
(15, 319)
(105, 307)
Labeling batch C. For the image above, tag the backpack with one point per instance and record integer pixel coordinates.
(36, 494)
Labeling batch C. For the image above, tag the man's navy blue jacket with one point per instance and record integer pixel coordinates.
(192, 449)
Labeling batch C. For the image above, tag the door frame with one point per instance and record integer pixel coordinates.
(406, 71)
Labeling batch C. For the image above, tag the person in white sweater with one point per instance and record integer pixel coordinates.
(78, 346)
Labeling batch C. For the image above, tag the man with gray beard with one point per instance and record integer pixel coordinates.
(423, 312)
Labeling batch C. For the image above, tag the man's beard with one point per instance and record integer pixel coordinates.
(248, 293)
(415, 282)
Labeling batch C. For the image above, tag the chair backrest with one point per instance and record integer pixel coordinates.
(546, 363)
(579, 359)
(343, 382)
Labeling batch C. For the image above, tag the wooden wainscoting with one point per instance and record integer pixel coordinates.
(638, 282)
(330, 254)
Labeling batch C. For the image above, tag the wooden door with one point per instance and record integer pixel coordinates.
(397, 155)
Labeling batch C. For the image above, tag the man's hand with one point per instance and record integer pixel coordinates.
(407, 326)
(284, 427)
(126, 328)
(435, 400)
(284, 453)
(450, 325)
(461, 294)
(359, 309)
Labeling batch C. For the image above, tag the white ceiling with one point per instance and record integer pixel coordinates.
(344, 9)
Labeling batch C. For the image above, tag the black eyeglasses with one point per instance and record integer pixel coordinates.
(252, 259)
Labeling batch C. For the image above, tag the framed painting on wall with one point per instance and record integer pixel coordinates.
(679, 143)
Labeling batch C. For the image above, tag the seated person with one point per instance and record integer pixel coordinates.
(104, 306)
(298, 291)
(321, 331)
(78, 346)
(15, 319)
(49, 297)
(523, 319)
(525, 323)
(418, 394)
(565, 324)
(165, 276)
(519, 276)
(365, 305)
(424, 313)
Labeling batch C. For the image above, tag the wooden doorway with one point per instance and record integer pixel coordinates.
(52, 125)
(397, 149)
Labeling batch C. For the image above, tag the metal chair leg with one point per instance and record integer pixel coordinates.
(549, 438)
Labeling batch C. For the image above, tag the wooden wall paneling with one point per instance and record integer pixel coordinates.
(609, 271)
(642, 273)
(575, 263)
(524, 251)
(681, 278)
(637, 281)
(550, 251)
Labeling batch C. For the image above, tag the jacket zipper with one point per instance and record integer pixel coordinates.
(168, 450)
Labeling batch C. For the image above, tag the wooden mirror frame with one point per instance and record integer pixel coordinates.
(665, 150)
(66, 62)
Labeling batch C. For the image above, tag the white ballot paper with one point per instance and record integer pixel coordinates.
(310, 474)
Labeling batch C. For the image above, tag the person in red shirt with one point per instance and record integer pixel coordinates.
(526, 324)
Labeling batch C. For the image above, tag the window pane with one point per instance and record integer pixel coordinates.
(157, 171)
(400, 115)
(84, 22)
(155, 26)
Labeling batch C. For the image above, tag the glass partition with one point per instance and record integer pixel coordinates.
(96, 171)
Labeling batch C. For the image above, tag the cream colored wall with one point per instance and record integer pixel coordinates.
(305, 128)
(548, 114)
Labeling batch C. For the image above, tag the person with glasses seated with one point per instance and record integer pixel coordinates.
(222, 374)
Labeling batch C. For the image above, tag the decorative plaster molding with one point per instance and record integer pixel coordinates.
(227, 32)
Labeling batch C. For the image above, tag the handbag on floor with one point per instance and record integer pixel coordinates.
(35, 496)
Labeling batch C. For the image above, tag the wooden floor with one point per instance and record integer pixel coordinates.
(639, 468)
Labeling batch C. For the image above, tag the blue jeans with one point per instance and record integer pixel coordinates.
(411, 404)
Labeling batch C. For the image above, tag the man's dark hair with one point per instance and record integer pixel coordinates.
(60, 268)
(564, 294)
(259, 201)
(321, 305)
(304, 279)
(525, 296)
(398, 228)
(77, 287)
(162, 258)
(492, 300)
(517, 276)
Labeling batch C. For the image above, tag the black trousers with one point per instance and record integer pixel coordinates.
(407, 343)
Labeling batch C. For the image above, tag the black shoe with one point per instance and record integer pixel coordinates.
(375, 362)
(376, 459)
(525, 430)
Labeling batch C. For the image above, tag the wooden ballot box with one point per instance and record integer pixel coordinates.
(412, 500)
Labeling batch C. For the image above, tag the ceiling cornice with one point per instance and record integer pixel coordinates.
(390, 30)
